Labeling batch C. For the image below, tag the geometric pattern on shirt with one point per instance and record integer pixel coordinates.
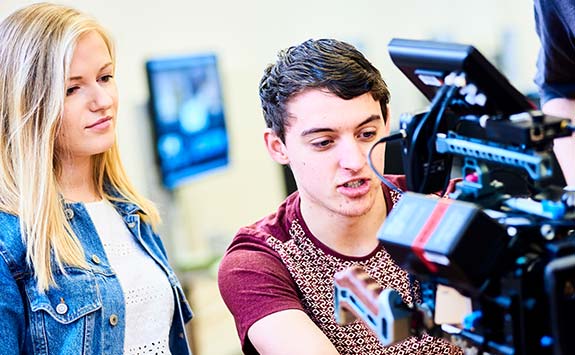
(313, 272)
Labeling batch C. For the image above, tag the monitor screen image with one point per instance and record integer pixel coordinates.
(188, 117)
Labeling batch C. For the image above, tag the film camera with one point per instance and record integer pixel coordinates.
(512, 255)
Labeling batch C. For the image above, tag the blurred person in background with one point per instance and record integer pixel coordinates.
(555, 26)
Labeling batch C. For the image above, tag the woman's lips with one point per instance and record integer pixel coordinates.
(100, 124)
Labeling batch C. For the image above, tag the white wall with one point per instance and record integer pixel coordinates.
(246, 35)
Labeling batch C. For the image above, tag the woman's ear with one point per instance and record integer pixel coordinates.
(276, 148)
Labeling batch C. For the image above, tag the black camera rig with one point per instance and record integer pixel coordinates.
(511, 255)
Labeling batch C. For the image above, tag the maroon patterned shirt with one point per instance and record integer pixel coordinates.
(277, 264)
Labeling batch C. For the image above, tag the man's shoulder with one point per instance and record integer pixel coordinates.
(252, 265)
(398, 181)
(276, 224)
(392, 196)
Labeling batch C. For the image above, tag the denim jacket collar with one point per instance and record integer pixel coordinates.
(123, 207)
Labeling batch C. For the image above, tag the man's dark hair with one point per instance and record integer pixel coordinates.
(322, 64)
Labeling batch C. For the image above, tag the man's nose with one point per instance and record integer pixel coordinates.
(352, 155)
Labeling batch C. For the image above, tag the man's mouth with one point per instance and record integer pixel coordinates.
(354, 184)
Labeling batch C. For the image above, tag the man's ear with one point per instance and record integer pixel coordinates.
(276, 148)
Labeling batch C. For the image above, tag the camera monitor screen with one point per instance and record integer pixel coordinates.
(188, 117)
(427, 63)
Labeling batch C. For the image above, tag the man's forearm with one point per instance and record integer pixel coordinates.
(564, 147)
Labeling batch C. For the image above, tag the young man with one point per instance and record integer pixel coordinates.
(325, 105)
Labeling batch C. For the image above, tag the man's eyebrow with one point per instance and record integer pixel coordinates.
(369, 119)
(105, 66)
(322, 129)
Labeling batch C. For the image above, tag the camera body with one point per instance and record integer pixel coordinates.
(512, 255)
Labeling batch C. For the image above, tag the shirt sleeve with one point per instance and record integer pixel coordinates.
(12, 311)
(254, 283)
(555, 74)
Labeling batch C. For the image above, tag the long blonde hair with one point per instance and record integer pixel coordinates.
(36, 47)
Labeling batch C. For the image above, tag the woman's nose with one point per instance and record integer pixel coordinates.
(101, 98)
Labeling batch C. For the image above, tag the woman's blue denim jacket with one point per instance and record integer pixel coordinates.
(85, 313)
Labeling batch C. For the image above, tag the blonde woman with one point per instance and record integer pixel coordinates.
(81, 268)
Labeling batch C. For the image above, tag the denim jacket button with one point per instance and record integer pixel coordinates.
(61, 308)
(113, 319)
(132, 224)
(95, 259)
(69, 213)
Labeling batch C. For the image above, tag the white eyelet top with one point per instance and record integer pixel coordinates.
(147, 291)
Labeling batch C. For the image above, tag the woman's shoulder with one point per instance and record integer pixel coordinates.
(9, 225)
(11, 240)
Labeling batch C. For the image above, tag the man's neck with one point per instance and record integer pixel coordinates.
(352, 236)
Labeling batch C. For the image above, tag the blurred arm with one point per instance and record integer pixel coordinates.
(564, 147)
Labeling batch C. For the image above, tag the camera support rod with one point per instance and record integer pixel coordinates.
(538, 165)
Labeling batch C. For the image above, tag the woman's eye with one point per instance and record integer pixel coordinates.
(106, 78)
(71, 90)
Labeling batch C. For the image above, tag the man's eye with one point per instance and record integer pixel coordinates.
(368, 134)
(323, 143)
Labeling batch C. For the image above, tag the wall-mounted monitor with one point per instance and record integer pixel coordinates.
(187, 110)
